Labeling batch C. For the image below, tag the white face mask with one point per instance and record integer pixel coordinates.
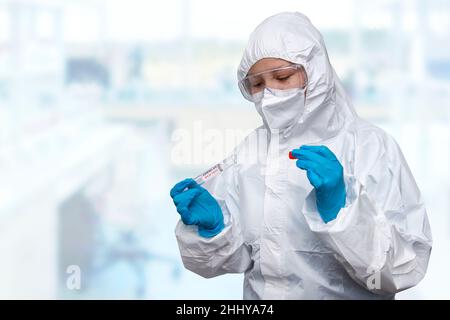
(280, 108)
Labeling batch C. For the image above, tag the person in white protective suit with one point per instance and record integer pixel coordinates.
(343, 220)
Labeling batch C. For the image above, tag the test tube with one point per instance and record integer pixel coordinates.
(216, 170)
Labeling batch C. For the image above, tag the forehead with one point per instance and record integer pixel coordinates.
(267, 64)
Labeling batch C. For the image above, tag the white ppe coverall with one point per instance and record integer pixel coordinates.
(379, 243)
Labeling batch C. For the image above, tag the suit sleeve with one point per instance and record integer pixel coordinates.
(382, 236)
(226, 252)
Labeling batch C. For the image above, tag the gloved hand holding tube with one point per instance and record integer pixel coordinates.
(197, 206)
(326, 174)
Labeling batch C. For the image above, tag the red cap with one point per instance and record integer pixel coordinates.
(291, 156)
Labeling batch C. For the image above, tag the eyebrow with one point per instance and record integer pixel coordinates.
(284, 71)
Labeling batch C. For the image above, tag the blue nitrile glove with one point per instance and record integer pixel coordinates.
(198, 207)
(326, 174)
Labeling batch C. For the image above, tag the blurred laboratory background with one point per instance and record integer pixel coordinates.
(105, 104)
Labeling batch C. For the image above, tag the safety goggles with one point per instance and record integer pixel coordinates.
(283, 78)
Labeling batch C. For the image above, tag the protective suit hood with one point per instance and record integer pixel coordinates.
(292, 37)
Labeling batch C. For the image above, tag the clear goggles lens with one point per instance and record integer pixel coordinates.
(289, 77)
